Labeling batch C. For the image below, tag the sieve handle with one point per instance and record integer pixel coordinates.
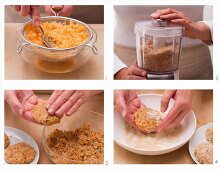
(20, 47)
(92, 44)
(56, 9)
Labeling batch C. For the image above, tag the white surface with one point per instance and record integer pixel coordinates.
(153, 101)
(198, 137)
(17, 136)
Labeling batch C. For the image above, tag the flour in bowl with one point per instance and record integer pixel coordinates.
(152, 141)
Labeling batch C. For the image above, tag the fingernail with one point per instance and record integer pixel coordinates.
(144, 73)
(47, 106)
(50, 110)
(162, 109)
(37, 23)
(68, 113)
(20, 111)
(154, 15)
(123, 114)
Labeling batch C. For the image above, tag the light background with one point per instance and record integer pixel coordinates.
(108, 84)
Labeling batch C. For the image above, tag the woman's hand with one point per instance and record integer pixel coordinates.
(32, 10)
(131, 73)
(66, 10)
(22, 102)
(68, 101)
(127, 103)
(197, 30)
(181, 107)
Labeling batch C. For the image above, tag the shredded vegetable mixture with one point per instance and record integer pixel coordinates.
(63, 35)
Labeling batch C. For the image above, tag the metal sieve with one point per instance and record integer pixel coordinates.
(57, 54)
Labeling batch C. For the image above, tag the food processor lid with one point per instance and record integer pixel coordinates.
(157, 28)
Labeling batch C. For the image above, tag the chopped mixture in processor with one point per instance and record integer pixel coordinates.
(63, 35)
(82, 145)
(160, 59)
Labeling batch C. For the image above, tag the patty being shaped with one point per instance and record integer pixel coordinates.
(148, 119)
(41, 115)
(7, 141)
(204, 153)
(209, 135)
(20, 153)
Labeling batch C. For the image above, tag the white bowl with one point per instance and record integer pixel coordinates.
(17, 136)
(153, 101)
(198, 137)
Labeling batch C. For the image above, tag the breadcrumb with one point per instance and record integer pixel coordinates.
(82, 145)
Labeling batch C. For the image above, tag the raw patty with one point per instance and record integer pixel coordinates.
(20, 153)
(204, 153)
(7, 141)
(41, 115)
(209, 135)
(147, 119)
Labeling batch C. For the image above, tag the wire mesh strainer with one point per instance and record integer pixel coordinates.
(57, 54)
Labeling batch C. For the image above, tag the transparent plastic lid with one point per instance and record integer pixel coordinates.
(157, 28)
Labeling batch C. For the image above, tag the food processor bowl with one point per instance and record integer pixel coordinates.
(56, 60)
(158, 46)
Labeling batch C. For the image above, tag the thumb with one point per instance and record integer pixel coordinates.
(121, 106)
(168, 94)
(16, 105)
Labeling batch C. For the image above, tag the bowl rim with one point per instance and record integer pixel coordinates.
(21, 31)
(52, 153)
(169, 149)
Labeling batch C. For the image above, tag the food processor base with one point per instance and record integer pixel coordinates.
(169, 76)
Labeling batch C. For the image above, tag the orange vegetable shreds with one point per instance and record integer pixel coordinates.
(63, 35)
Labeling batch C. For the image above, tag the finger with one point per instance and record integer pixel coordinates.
(28, 106)
(17, 7)
(167, 95)
(33, 100)
(48, 10)
(133, 107)
(120, 104)
(25, 10)
(130, 119)
(175, 110)
(133, 77)
(138, 72)
(75, 107)
(28, 116)
(53, 97)
(67, 106)
(178, 119)
(67, 10)
(35, 13)
(182, 22)
(131, 95)
(15, 105)
(60, 101)
(173, 16)
(158, 13)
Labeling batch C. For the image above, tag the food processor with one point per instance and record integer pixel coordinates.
(158, 48)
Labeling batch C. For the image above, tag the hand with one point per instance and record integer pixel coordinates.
(22, 102)
(68, 101)
(127, 103)
(131, 73)
(181, 107)
(197, 30)
(32, 10)
(66, 11)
